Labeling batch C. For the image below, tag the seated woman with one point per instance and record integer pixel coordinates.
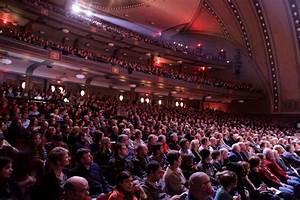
(126, 189)
(8, 188)
(228, 181)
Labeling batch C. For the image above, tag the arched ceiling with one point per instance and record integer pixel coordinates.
(268, 31)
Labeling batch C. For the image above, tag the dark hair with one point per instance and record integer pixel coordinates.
(79, 154)
(4, 161)
(156, 147)
(288, 147)
(118, 146)
(122, 176)
(204, 140)
(97, 136)
(173, 156)
(182, 142)
(56, 154)
(215, 154)
(153, 166)
(226, 178)
(254, 161)
(204, 153)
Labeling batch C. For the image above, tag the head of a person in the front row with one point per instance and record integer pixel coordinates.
(227, 179)
(200, 187)
(154, 171)
(124, 182)
(174, 159)
(76, 188)
(5, 168)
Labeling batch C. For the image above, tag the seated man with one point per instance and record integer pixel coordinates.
(151, 186)
(141, 160)
(76, 188)
(291, 156)
(200, 187)
(173, 177)
(89, 170)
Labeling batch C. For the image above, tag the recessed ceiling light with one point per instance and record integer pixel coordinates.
(64, 30)
(80, 76)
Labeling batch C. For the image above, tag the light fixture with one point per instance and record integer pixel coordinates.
(181, 104)
(66, 100)
(121, 97)
(76, 8)
(52, 88)
(61, 89)
(23, 85)
(147, 100)
(177, 104)
(159, 102)
(80, 76)
(142, 100)
(111, 44)
(208, 97)
(82, 93)
(132, 85)
(5, 61)
(241, 101)
(64, 30)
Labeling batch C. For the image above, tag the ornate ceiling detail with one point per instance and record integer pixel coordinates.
(238, 17)
(214, 14)
(296, 19)
(270, 54)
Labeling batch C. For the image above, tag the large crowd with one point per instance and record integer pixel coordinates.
(19, 33)
(99, 147)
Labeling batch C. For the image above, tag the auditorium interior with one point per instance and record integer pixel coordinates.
(150, 99)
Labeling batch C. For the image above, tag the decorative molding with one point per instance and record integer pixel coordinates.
(296, 18)
(270, 54)
(238, 17)
(214, 14)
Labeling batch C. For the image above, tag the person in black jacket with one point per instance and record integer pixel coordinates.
(89, 170)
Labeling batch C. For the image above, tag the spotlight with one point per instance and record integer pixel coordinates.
(142, 100)
(121, 97)
(181, 104)
(177, 104)
(23, 85)
(88, 13)
(82, 93)
(76, 8)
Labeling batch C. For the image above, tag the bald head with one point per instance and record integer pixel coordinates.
(200, 186)
(76, 188)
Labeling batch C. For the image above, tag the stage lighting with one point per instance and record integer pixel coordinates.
(76, 8)
(159, 102)
(142, 100)
(181, 104)
(177, 104)
(82, 93)
(147, 100)
(52, 88)
(88, 13)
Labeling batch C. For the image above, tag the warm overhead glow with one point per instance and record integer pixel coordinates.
(121, 97)
(23, 85)
(147, 100)
(76, 8)
(159, 102)
(82, 93)
(222, 50)
(52, 88)
(177, 104)
(142, 100)
(181, 104)
(199, 45)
